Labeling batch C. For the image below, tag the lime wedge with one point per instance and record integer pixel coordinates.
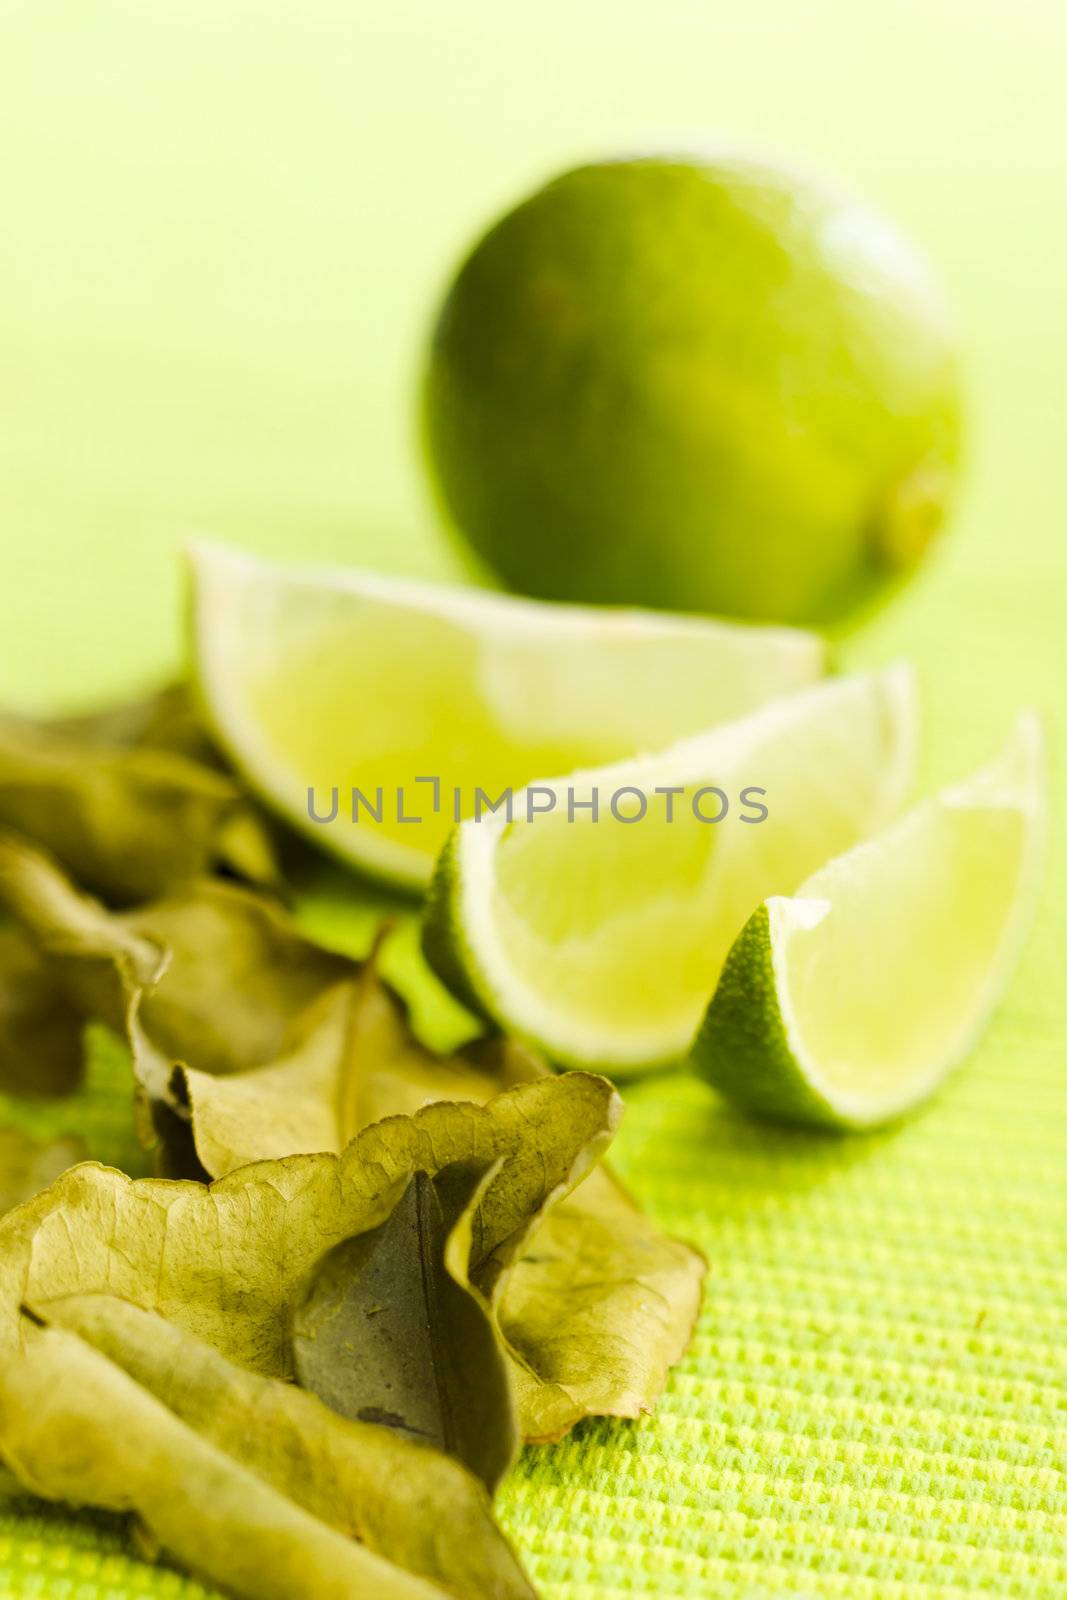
(846, 1004)
(600, 938)
(334, 680)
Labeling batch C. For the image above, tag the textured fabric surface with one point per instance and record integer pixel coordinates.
(210, 208)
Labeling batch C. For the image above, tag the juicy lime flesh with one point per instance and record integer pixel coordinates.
(882, 986)
(588, 907)
(391, 701)
(383, 695)
(374, 713)
(625, 926)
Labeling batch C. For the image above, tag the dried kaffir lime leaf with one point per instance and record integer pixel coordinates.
(130, 820)
(244, 1479)
(251, 1042)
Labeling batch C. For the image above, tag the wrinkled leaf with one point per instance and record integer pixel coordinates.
(357, 1061)
(241, 987)
(600, 1304)
(288, 1107)
(221, 976)
(240, 980)
(229, 1262)
(597, 1311)
(249, 844)
(406, 1503)
(28, 1165)
(86, 950)
(218, 1518)
(170, 719)
(66, 960)
(597, 1308)
(390, 1331)
(129, 821)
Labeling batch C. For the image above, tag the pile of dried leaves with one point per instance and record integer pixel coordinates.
(304, 1356)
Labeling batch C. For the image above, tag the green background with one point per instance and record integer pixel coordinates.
(225, 224)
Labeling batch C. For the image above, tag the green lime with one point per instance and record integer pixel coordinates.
(847, 1004)
(704, 383)
(338, 681)
(593, 921)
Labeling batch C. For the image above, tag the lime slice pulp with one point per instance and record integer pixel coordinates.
(600, 937)
(335, 680)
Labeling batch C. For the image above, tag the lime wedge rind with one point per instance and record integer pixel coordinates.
(753, 1045)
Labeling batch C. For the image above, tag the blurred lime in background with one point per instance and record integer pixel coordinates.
(707, 383)
(227, 228)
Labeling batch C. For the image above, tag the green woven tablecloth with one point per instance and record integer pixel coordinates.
(225, 221)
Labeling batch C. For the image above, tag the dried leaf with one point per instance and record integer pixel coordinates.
(67, 960)
(86, 950)
(240, 981)
(130, 821)
(288, 1107)
(218, 1518)
(219, 974)
(391, 1332)
(355, 1061)
(249, 845)
(241, 987)
(388, 1070)
(28, 1165)
(229, 1262)
(63, 962)
(600, 1305)
(408, 1504)
(597, 1311)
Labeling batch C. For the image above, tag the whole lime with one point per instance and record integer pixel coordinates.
(705, 383)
